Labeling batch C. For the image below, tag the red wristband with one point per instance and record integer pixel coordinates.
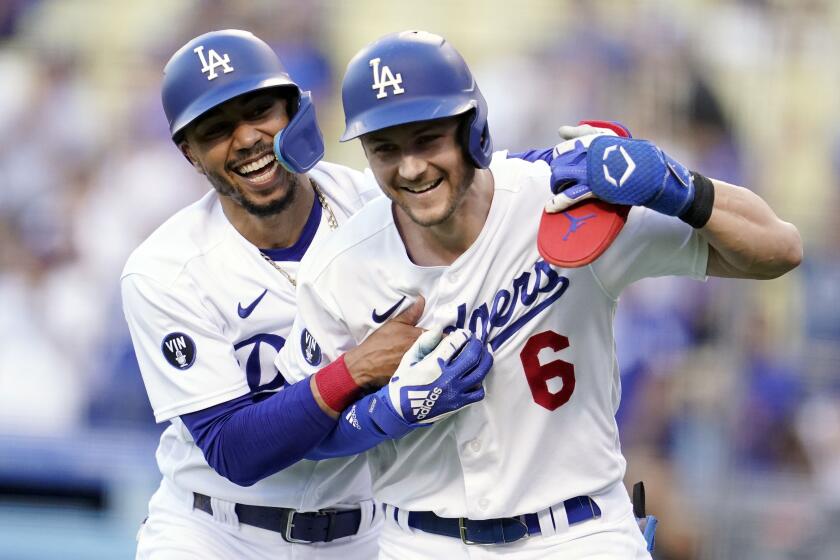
(337, 387)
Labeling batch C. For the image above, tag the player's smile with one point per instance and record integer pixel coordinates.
(423, 187)
(258, 173)
(421, 167)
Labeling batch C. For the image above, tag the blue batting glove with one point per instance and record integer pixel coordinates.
(436, 378)
(620, 171)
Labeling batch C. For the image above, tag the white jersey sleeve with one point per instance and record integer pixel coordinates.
(650, 245)
(318, 335)
(187, 362)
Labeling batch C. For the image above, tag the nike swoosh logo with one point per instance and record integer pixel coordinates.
(244, 312)
(377, 318)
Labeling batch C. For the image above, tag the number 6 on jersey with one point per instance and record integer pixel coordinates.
(538, 375)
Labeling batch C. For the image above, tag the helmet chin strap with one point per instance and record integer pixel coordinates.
(300, 145)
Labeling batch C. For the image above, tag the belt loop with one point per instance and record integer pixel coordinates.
(548, 525)
(368, 510)
(224, 512)
(389, 513)
(402, 519)
(559, 517)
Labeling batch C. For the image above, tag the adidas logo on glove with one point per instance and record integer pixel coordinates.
(352, 418)
(423, 401)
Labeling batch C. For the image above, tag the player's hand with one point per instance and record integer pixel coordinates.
(438, 377)
(566, 194)
(374, 361)
(620, 171)
(568, 173)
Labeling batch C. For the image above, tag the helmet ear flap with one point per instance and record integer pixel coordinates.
(484, 151)
(475, 137)
(300, 145)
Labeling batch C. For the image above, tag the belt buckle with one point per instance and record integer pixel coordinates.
(290, 525)
(287, 530)
(462, 530)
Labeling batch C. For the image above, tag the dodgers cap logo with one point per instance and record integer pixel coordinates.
(213, 61)
(384, 79)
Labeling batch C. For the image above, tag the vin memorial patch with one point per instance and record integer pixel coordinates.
(179, 350)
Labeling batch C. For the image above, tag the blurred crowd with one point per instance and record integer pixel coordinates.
(731, 391)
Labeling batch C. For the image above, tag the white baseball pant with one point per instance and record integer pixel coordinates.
(613, 536)
(176, 531)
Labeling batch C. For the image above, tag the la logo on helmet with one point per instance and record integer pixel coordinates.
(385, 79)
(214, 62)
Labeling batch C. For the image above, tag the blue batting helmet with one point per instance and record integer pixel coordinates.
(216, 67)
(413, 76)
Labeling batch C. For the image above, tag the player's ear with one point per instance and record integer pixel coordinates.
(185, 148)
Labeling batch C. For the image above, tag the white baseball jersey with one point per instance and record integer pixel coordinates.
(546, 430)
(207, 316)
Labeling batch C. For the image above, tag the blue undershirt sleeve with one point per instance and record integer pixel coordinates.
(250, 438)
(361, 426)
(544, 154)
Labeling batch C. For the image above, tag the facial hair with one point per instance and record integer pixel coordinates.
(225, 187)
(454, 203)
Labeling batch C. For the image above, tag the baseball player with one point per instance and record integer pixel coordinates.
(210, 298)
(534, 470)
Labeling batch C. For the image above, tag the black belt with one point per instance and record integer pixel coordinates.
(501, 530)
(296, 527)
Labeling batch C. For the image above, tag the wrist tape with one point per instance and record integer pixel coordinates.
(700, 210)
(337, 387)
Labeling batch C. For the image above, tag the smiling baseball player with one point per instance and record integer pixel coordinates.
(539, 457)
(210, 298)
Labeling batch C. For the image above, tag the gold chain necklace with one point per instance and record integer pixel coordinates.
(331, 221)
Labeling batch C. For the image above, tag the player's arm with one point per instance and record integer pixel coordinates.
(436, 378)
(255, 436)
(746, 238)
(252, 437)
(244, 437)
(368, 366)
(449, 374)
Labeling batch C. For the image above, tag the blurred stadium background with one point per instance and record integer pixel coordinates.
(731, 407)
